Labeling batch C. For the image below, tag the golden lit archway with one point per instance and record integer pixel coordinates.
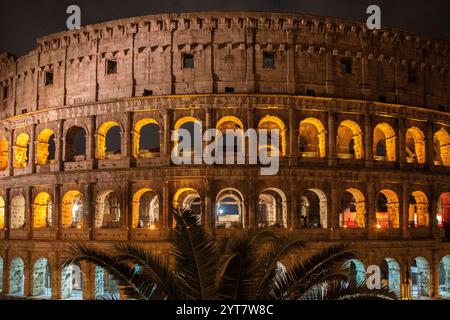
(101, 138)
(2, 213)
(42, 146)
(21, 149)
(42, 211)
(229, 122)
(388, 210)
(108, 210)
(4, 152)
(349, 131)
(312, 138)
(145, 210)
(137, 134)
(418, 210)
(384, 141)
(72, 209)
(415, 145)
(274, 123)
(354, 209)
(442, 147)
(181, 122)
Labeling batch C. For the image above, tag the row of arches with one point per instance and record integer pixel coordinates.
(412, 283)
(230, 210)
(312, 142)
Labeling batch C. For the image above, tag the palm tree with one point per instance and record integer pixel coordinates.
(244, 266)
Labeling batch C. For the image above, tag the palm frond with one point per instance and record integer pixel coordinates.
(354, 291)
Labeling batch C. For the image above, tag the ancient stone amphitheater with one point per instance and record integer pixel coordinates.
(86, 122)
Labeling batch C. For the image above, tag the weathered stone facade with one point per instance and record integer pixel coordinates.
(364, 126)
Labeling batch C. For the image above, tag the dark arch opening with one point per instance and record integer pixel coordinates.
(75, 143)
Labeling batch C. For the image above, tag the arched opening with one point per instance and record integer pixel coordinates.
(4, 151)
(230, 209)
(313, 209)
(349, 141)
(420, 276)
(72, 283)
(312, 138)
(72, 210)
(444, 277)
(443, 211)
(188, 199)
(146, 139)
(45, 147)
(230, 123)
(42, 279)
(145, 210)
(107, 210)
(415, 146)
(105, 286)
(42, 211)
(75, 144)
(273, 123)
(390, 275)
(418, 210)
(109, 141)
(194, 127)
(384, 140)
(357, 271)
(353, 209)
(442, 148)
(16, 277)
(18, 212)
(388, 209)
(2, 213)
(1, 275)
(21, 151)
(272, 208)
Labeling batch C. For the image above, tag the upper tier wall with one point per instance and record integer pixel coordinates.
(228, 49)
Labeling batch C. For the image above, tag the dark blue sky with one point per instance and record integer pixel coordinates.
(22, 21)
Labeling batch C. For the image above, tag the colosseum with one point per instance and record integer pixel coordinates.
(85, 143)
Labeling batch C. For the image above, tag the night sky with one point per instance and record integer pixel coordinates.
(23, 21)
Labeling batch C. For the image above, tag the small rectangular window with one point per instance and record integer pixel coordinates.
(48, 78)
(229, 90)
(346, 66)
(24, 111)
(188, 61)
(111, 67)
(5, 92)
(147, 93)
(310, 93)
(382, 99)
(268, 60)
(412, 76)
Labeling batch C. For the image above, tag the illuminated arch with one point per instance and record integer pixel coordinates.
(42, 147)
(357, 271)
(354, 209)
(313, 209)
(107, 210)
(21, 150)
(181, 122)
(145, 215)
(17, 212)
(272, 122)
(390, 275)
(137, 135)
(4, 152)
(272, 208)
(102, 137)
(72, 282)
(415, 145)
(444, 277)
(2, 213)
(72, 209)
(419, 210)
(384, 135)
(42, 211)
(316, 143)
(443, 210)
(230, 209)
(16, 277)
(442, 147)
(42, 278)
(420, 274)
(349, 130)
(222, 123)
(189, 199)
(388, 210)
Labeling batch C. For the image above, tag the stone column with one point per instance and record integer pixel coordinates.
(434, 229)
(250, 60)
(32, 151)
(11, 153)
(166, 207)
(368, 134)
(401, 147)
(293, 206)
(59, 141)
(434, 275)
(329, 62)
(7, 213)
(166, 141)
(252, 198)
(429, 143)
(208, 209)
(90, 141)
(404, 212)
(334, 208)
(89, 211)
(371, 210)
(365, 86)
(290, 58)
(126, 137)
(56, 211)
(293, 133)
(28, 275)
(332, 154)
(29, 216)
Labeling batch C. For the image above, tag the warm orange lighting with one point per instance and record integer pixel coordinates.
(378, 226)
(152, 227)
